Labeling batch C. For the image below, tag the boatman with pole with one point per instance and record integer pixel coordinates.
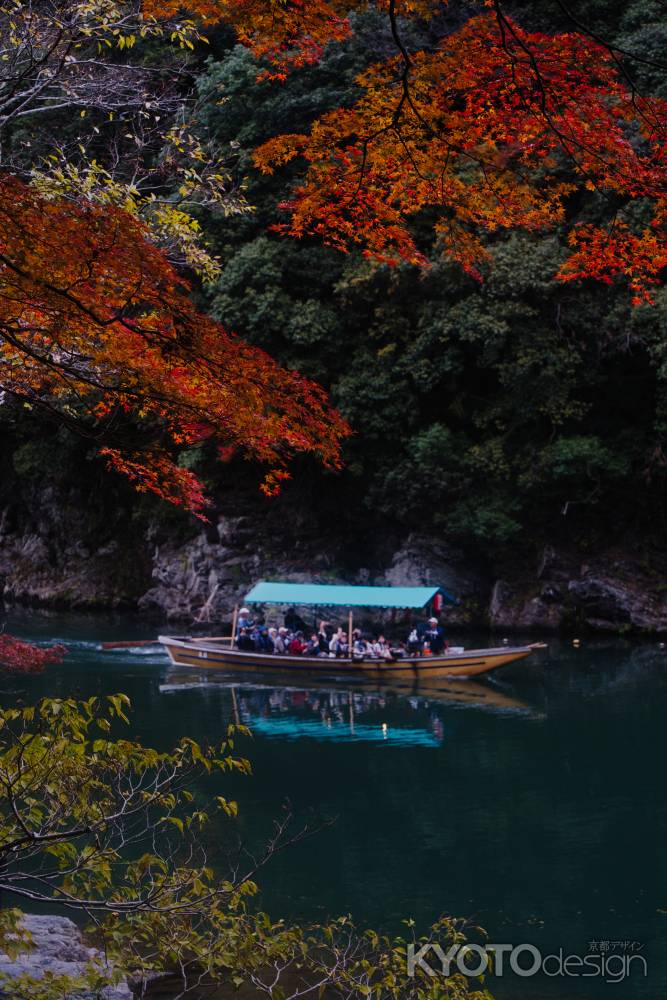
(434, 635)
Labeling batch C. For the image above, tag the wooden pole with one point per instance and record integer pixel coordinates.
(213, 638)
(349, 634)
(237, 719)
(128, 643)
(234, 621)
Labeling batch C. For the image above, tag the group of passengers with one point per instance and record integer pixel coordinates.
(295, 639)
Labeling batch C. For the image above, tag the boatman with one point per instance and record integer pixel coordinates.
(294, 622)
(434, 635)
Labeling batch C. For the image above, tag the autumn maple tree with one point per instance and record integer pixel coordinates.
(493, 126)
(107, 327)
(97, 324)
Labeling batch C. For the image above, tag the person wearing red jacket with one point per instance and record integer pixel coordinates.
(297, 645)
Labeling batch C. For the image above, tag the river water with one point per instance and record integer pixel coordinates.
(534, 803)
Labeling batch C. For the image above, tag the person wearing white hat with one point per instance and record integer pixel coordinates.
(244, 620)
(434, 636)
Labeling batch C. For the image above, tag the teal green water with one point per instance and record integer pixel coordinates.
(535, 804)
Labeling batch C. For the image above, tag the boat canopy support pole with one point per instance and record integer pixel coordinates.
(235, 618)
(349, 633)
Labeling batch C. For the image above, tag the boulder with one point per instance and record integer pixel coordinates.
(423, 561)
(33, 572)
(59, 949)
(611, 592)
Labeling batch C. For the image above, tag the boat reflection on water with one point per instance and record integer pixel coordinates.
(402, 715)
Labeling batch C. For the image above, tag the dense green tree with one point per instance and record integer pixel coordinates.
(509, 409)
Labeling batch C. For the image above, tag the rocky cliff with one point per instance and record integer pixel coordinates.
(611, 591)
(201, 577)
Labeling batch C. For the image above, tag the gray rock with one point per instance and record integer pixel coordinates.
(73, 577)
(424, 561)
(198, 575)
(511, 607)
(602, 603)
(59, 949)
(625, 601)
(540, 614)
(610, 593)
(503, 605)
(555, 565)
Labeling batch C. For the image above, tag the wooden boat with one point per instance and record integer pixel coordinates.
(216, 656)
(219, 653)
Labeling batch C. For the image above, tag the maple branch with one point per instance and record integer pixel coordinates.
(614, 51)
(611, 47)
(568, 143)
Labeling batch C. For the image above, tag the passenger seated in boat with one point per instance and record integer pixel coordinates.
(359, 650)
(434, 636)
(360, 647)
(297, 646)
(414, 642)
(313, 648)
(280, 641)
(264, 642)
(245, 643)
(385, 647)
(380, 649)
(338, 645)
(324, 635)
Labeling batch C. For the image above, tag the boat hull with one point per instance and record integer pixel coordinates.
(470, 663)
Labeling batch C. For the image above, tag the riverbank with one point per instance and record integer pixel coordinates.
(547, 589)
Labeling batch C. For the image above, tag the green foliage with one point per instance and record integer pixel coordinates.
(71, 796)
(450, 477)
(118, 830)
(280, 294)
(14, 937)
(643, 30)
(578, 458)
(91, 983)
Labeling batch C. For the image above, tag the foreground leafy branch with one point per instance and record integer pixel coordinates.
(121, 833)
(74, 800)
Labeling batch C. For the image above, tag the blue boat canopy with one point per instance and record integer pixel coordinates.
(351, 597)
